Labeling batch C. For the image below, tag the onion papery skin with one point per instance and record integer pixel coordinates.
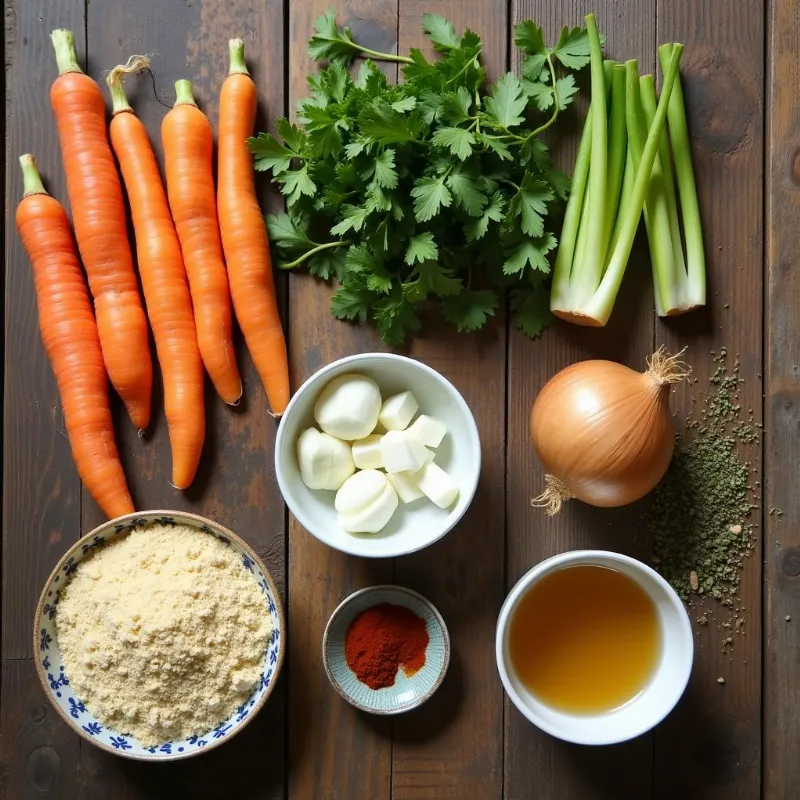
(605, 431)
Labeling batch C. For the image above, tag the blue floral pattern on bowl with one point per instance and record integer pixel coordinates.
(408, 691)
(56, 682)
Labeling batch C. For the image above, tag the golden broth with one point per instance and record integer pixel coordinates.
(585, 639)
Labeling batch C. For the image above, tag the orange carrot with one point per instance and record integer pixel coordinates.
(101, 230)
(166, 289)
(244, 233)
(69, 333)
(188, 144)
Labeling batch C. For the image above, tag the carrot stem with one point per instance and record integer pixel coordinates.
(31, 180)
(119, 100)
(64, 45)
(183, 93)
(236, 50)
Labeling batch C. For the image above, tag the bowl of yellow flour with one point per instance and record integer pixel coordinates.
(159, 635)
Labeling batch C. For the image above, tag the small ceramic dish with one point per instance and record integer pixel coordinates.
(55, 681)
(414, 526)
(407, 692)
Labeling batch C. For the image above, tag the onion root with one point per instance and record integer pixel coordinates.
(555, 494)
(665, 369)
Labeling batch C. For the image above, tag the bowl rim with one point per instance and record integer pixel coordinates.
(576, 558)
(278, 608)
(387, 587)
(468, 491)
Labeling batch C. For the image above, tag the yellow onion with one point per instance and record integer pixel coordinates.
(604, 432)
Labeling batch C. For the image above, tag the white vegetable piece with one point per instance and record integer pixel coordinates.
(325, 462)
(348, 407)
(397, 411)
(365, 502)
(437, 485)
(406, 486)
(428, 430)
(367, 452)
(402, 452)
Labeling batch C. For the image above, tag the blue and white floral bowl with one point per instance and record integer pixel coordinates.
(56, 682)
(407, 692)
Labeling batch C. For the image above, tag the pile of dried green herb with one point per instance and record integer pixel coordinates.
(700, 519)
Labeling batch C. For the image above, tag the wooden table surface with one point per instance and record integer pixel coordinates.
(739, 741)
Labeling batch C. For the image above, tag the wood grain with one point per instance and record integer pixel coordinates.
(335, 752)
(235, 484)
(712, 742)
(532, 758)
(41, 489)
(781, 722)
(460, 753)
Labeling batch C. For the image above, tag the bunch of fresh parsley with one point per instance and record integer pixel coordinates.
(435, 190)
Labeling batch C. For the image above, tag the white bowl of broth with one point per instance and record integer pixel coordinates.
(594, 647)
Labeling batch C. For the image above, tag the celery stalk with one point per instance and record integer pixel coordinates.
(572, 217)
(624, 199)
(599, 308)
(687, 190)
(659, 235)
(674, 291)
(586, 274)
(617, 149)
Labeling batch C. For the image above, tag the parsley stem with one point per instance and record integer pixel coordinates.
(382, 56)
(313, 252)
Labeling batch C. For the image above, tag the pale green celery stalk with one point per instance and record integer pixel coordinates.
(572, 216)
(580, 252)
(624, 200)
(687, 190)
(585, 275)
(617, 149)
(676, 287)
(598, 310)
(659, 236)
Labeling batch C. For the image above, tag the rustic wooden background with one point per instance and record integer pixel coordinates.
(737, 742)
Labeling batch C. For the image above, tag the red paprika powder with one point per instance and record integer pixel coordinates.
(383, 639)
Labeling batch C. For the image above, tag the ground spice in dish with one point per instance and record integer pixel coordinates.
(700, 514)
(382, 640)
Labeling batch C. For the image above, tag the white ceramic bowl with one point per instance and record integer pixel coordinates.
(56, 683)
(413, 526)
(653, 703)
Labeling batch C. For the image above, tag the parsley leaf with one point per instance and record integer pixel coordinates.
(531, 310)
(533, 252)
(421, 247)
(430, 195)
(506, 106)
(529, 37)
(467, 193)
(296, 183)
(441, 32)
(565, 89)
(458, 140)
(530, 205)
(384, 125)
(354, 217)
(432, 279)
(288, 233)
(352, 300)
(269, 153)
(395, 317)
(469, 310)
(492, 213)
(384, 171)
(329, 42)
(572, 48)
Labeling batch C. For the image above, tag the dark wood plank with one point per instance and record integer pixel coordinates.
(781, 722)
(532, 758)
(334, 750)
(40, 753)
(712, 742)
(453, 747)
(235, 484)
(41, 490)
